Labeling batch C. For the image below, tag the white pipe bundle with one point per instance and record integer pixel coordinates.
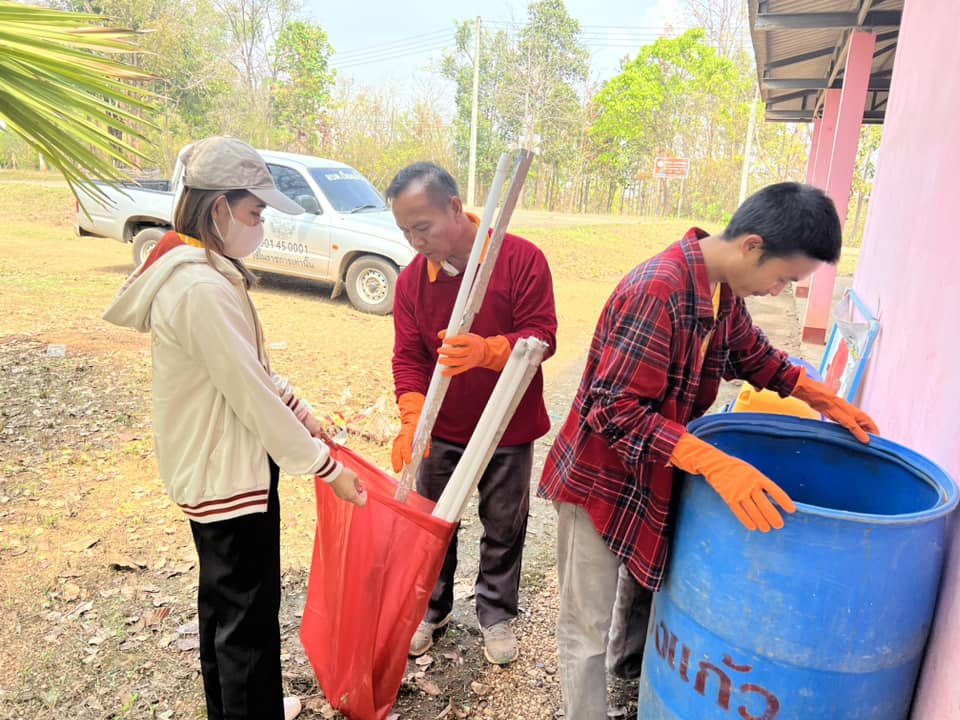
(524, 360)
(473, 287)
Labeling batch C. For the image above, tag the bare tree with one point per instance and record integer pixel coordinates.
(724, 21)
(255, 26)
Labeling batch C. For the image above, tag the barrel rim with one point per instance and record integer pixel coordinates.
(784, 425)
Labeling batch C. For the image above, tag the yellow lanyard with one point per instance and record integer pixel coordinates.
(716, 312)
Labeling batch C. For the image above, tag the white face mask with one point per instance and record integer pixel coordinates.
(242, 239)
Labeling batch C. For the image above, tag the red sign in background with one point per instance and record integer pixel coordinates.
(671, 167)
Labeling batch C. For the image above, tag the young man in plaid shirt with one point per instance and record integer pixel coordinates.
(673, 328)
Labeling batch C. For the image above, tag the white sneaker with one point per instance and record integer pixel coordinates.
(426, 633)
(291, 707)
(500, 644)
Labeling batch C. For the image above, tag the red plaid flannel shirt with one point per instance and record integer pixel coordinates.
(646, 378)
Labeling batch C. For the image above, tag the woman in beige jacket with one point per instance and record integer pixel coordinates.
(223, 422)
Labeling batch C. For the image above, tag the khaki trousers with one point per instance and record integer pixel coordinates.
(593, 597)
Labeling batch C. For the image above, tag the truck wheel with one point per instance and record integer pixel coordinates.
(144, 241)
(371, 281)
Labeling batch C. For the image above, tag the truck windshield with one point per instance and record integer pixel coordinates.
(347, 190)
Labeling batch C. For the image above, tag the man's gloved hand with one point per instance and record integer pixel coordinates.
(460, 353)
(819, 397)
(742, 486)
(411, 404)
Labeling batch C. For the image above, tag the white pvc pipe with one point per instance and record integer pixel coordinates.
(459, 484)
(479, 241)
(524, 360)
(520, 169)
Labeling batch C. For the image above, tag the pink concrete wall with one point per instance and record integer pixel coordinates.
(909, 271)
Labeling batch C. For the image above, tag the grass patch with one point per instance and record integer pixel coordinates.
(23, 174)
(610, 251)
(607, 252)
(25, 202)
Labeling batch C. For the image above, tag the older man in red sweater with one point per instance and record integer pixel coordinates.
(518, 303)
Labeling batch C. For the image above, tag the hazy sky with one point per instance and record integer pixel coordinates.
(393, 43)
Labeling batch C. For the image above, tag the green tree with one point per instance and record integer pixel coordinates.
(782, 151)
(373, 133)
(550, 65)
(625, 130)
(253, 27)
(65, 95)
(679, 96)
(863, 174)
(302, 90)
(498, 125)
(528, 94)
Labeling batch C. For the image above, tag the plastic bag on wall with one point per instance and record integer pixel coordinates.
(849, 347)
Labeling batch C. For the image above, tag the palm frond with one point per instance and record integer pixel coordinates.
(63, 91)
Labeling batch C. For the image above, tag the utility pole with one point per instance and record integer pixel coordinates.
(474, 113)
(748, 147)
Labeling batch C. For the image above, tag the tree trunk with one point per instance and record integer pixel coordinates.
(856, 217)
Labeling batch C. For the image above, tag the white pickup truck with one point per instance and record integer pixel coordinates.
(346, 235)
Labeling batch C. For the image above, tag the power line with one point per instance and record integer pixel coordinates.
(613, 37)
(390, 56)
(400, 44)
(648, 28)
(337, 62)
(585, 31)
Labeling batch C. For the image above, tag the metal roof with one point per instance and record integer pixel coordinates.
(801, 50)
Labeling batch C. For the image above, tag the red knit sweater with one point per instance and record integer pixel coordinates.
(518, 303)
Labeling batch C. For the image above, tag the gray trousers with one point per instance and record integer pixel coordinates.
(603, 616)
(504, 506)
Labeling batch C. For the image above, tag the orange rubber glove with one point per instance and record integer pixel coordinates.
(742, 486)
(819, 397)
(411, 405)
(460, 353)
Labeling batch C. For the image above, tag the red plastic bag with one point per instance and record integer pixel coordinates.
(372, 574)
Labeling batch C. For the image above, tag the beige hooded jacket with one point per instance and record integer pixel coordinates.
(217, 413)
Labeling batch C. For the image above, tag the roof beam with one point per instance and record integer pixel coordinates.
(876, 83)
(879, 52)
(817, 21)
(814, 54)
(789, 96)
(808, 116)
(843, 46)
(802, 57)
(795, 83)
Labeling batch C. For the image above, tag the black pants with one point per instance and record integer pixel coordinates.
(238, 605)
(504, 505)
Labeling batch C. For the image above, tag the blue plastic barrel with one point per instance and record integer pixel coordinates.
(825, 619)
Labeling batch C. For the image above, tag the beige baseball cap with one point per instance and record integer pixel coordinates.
(225, 163)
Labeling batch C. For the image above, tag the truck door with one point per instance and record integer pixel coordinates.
(294, 244)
